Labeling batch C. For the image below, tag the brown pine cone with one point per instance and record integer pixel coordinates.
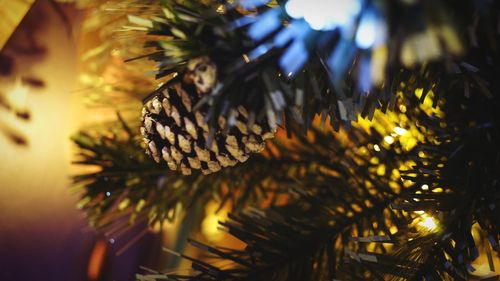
(175, 133)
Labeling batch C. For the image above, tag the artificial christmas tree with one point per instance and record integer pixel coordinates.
(386, 167)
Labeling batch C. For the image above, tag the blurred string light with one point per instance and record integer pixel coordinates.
(360, 26)
(425, 222)
(323, 14)
(372, 30)
(428, 223)
(400, 131)
(210, 225)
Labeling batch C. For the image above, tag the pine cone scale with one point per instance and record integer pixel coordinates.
(176, 134)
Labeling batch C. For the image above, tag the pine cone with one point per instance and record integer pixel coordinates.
(175, 133)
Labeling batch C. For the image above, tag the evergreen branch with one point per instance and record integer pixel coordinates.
(307, 238)
(331, 84)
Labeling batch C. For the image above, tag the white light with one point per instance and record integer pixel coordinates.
(323, 14)
(428, 223)
(389, 139)
(400, 131)
(371, 31)
(295, 8)
(367, 32)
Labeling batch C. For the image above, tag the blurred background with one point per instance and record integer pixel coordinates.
(43, 236)
(61, 72)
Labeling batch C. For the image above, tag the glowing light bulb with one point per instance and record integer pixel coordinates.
(210, 224)
(389, 139)
(371, 30)
(323, 14)
(400, 131)
(426, 222)
(366, 34)
(210, 227)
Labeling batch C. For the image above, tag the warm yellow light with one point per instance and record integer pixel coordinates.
(17, 96)
(425, 187)
(124, 204)
(376, 148)
(428, 223)
(389, 139)
(393, 229)
(381, 170)
(400, 131)
(210, 225)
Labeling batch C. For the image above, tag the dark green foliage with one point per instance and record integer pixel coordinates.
(336, 205)
(310, 239)
(191, 29)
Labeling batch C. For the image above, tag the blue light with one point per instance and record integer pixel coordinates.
(341, 59)
(298, 29)
(294, 58)
(243, 21)
(298, 38)
(364, 76)
(259, 51)
(267, 23)
(371, 30)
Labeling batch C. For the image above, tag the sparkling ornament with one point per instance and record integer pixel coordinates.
(176, 133)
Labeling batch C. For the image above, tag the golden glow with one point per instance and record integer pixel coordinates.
(393, 229)
(221, 9)
(486, 257)
(140, 205)
(389, 139)
(426, 222)
(437, 190)
(96, 260)
(400, 131)
(124, 204)
(17, 96)
(426, 106)
(210, 225)
(381, 170)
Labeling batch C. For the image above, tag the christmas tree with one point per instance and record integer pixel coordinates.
(350, 140)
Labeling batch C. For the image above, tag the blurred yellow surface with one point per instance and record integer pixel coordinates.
(11, 14)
